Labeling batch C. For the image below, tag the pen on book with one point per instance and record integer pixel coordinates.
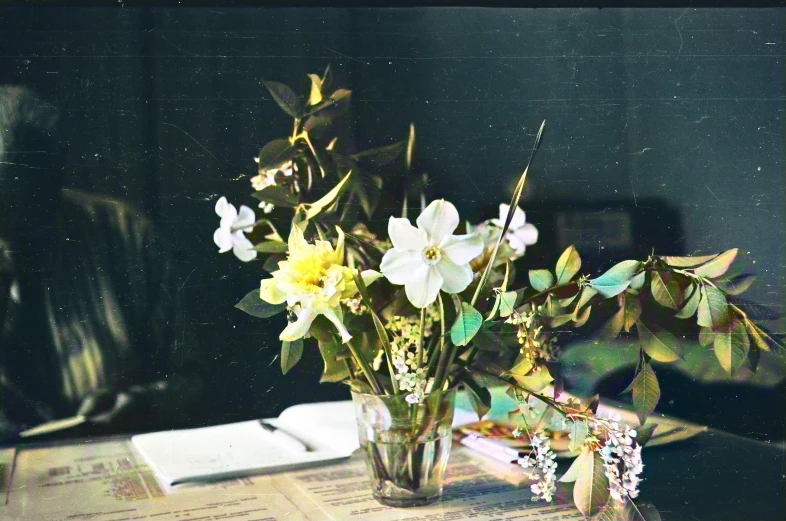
(287, 439)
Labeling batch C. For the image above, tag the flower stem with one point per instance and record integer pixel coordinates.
(367, 371)
(420, 337)
(444, 357)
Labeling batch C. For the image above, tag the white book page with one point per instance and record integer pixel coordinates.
(230, 450)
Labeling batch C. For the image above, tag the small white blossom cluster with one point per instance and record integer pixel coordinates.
(621, 458)
(542, 460)
(268, 178)
(414, 383)
(406, 336)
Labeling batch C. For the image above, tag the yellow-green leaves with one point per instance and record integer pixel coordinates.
(315, 96)
(568, 265)
(646, 392)
(713, 310)
(691, 302)
(617, 279)
(731, 346)
(256, 307)
(467, 324)
(591, 491)
(666, 290)
(660, 345)
(290, 354)
(540, 280)
(717, 266)
(329, 198)
(535, 380)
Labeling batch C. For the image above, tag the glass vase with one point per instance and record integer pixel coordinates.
(406, 446)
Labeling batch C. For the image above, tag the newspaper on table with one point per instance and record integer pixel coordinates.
(109, 481)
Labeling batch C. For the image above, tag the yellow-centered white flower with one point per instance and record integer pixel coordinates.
(313, 281)
(429, 258)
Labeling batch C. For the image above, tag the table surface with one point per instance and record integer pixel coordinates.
(714, 476)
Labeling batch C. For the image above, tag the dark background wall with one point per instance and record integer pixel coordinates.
(675, 114)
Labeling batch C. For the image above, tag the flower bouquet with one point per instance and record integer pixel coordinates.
(406, 314)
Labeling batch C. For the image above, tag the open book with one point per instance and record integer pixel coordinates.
(327, 431)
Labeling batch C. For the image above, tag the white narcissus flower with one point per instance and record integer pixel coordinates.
(520, 233)
(313, 281)
(429, 258)
(231, 230)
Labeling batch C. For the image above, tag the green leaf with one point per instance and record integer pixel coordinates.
(271, 247)
(521, 368)
(290, 354)
(686, 262)
(316, 207)
(587, 293)
(315, 96)
(646, 392)
(479, 397)
(467, 324)
(578, 433)
(541, 280)
(717, 266)
(256, 307)
(660, 346)
(692, 299)
(591, 491)
(276, 195)
(713, 310)
(285, 97)
(573, 471)
(559, 320)
(737, 285)
(581, 319)
(568, 264)
(632, 313)
(666, 290)
(644, 433)
(382, 333)
(335, 369)
(706, 336)
(334, 98)
(613, 327)
(637, 282)
(380, 156)
(275, 154)
(507, 303)
(499, 291)
(617, 279)
(537, 379)
(731, 346)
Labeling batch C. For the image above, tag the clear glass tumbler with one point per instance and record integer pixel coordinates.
(406, 446)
